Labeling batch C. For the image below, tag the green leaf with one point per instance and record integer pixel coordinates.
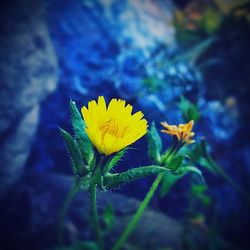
(170, 178)
(201, 156)
(81, 245)
(168, 181)
(189, 110)
(87, 245)
(153, 83)
(206, 164)
(196, 153)
(116, 180)
(86, 151)
(205, 199)
(76, 158)
(82, 138)
(193, 54)
(198, 189)
(108, 216)
(190, 169)
(112, 162)
(175, 162)
(154, 144)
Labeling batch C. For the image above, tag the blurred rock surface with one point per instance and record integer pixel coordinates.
(36, 202)
(28, 68)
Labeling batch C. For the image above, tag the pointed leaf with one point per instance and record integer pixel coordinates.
(116, 180)
(168, 181)
(170, 178)
(175, 162)
(196, 51)
(189, 110)
(77, 164)
(206, 164)
(154, 144)
(86, 151)
(201, 156)
(114, 160)
(81, 135)
(190, 169)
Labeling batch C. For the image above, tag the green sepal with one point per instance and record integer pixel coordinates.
(154, 144)
(167, 156)
(170, 178)
(116, 180)
(76, 158)
(113, 161)
(79, 126)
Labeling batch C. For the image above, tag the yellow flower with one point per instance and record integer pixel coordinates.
(183, 132)
(112, 128)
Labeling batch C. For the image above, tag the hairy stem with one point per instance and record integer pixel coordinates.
(94, 215)
(69, 198)
(132, 224)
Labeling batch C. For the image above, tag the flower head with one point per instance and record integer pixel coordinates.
(112, 128)
(183, 132)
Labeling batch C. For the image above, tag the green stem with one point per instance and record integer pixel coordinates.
(69, 198)
(132, 224)
(94, 215)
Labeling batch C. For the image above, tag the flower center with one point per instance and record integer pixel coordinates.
(111, 127)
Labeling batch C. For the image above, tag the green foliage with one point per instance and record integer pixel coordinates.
(175, 162)
(198, 191)
(191, 169)
(154, 144)
(85, 181)
(81, 245)
(82, 138)
(201, 156)
(189, 110)
(112, 162)
(211, 21)
(76, 158)
(153, 83)
(109, 216)
(168, 181)
(194, 53)
(171, 177)
(116, 180)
